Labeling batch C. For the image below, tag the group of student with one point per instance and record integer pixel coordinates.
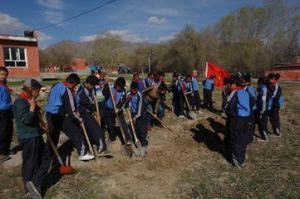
(245, 107)
(94, 107)
(98, 106)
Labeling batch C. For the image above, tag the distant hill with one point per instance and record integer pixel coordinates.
(80, 49)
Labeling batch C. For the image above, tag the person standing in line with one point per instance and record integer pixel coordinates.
(6, 116)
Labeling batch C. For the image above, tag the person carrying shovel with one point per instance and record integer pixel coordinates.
(115, 98)
(137, 111)
(35, 154)
(86, 106)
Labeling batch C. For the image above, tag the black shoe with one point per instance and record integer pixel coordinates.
(35, 194)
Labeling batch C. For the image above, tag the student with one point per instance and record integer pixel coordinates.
(159, 106)
(6, 116)
(174, 89)
(208, 88)
(100, 85)
(161, 76)
(35, 153)
(277, 102)
(181, 99)
(155, 100)
(61, 114)
(263, 106)
(238, 111)
(138, 111)
(100, 97)
(246, 77)
(149, 81)
(157, 79)
(196, 102)
(119, 96)
(188, 90)
(86, 106)
(136, 78)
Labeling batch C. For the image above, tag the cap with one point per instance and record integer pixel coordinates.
(32, 83)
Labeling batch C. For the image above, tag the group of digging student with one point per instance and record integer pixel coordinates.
(66, 110)
(246, 106)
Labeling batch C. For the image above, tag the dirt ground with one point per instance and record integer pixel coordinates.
(186, 163)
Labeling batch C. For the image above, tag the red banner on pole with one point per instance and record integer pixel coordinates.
(220, 73)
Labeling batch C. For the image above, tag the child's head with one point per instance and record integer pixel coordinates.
(246, 77)
(120, 83)
(135, 76)
(134, 88)
(32, 87)
(73, 80)
(225, 81)
(194, 73)
(188, 78)
(156, 76)
(101, 75)
(175, 75)
(90, 82)
(150, 75)
(3, 73)
(162, 88)
(234, 81)
(161, 75)
(273, 77)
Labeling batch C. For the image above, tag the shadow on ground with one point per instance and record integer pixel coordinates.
(54, 175)
(210, 138)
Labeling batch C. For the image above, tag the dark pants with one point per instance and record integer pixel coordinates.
(196, 102)
(251, 129)
(113, 131)
(101, 106)
(148, 117)
(224, 101)
(274, 118)
(175, 103)
(140, 130)
(161, 110)
(6, 131)
(238, 137)
(263, 125)
(36, 160)
(207, 97)
(189, 100)
(227, 136)
(181, 103)
(95, 131)
(56, 123)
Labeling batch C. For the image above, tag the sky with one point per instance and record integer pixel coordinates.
(135, 21)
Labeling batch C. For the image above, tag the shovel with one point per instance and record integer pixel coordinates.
(63, 169)
(127, 148)
(190, 113)
(91, 149)
(162, 123)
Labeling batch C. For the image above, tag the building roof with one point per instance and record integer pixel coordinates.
(287, 67)
(17, 38)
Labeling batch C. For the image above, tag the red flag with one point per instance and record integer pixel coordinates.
(220, 73)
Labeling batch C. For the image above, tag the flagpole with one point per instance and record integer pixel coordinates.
(206, 69)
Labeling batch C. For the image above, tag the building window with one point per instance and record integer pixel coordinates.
(15, 57)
